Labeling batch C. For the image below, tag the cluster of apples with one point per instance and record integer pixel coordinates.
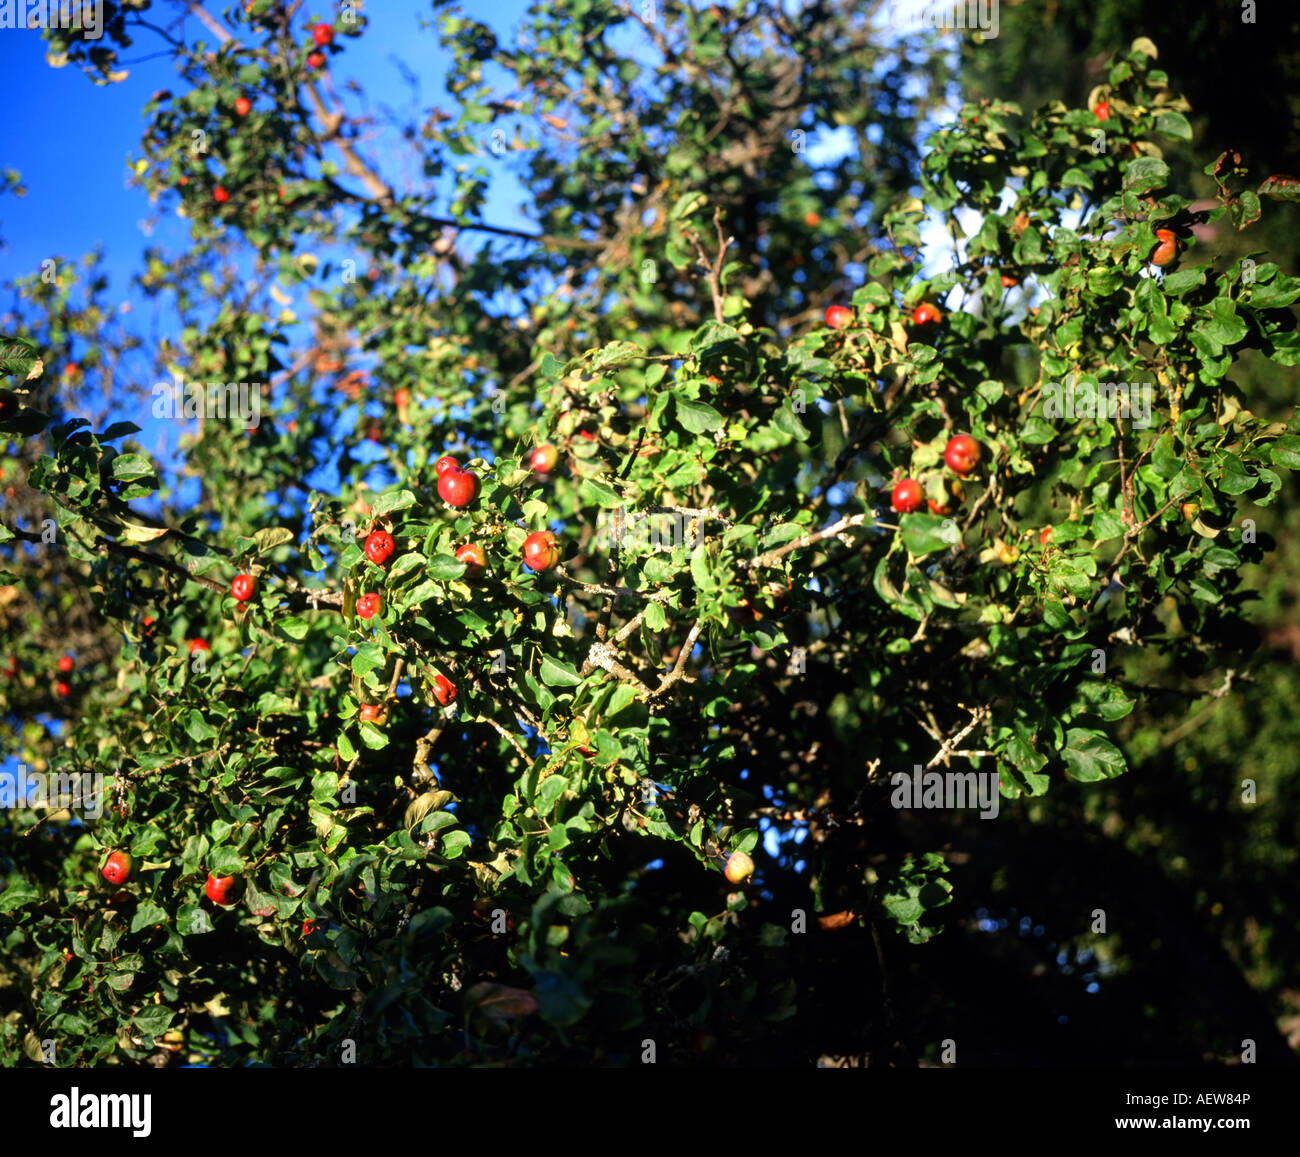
(961, 454)
(118, 867)
(322, 36)
(841, 317)
(458, 487)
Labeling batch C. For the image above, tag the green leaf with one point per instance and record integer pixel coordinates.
(1144, 174)
(130, 466)
(623, 695)
(1173, 124)
(147, 914)
(292, 627)
(925, 533)
(270, 537)
(1090, 756)
(153, 1020)
(191, 920)
(225, 861)
(557, 673)
(392, 500)
(1286, 452)
(686, 204)
(698, 417)
(598, 493)
(552, 788)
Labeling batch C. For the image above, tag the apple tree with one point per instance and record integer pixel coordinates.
(398, 801)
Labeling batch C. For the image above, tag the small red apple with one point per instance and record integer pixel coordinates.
(839, 317)
(371, 713)
(443, 691)
(117, 868)
(1102, 110)
(1166, 248)
(379, 547)
(316, 59)
(1044, 536)
(197, 645)
(541, 551)
(218, 889)
(925, 314)
(906, 496)
(402, 398)
(241, 587)
(812, 219)
(322, 34)
(961, 453)
(243, 106)
(471, 554)
(220, 195)
(62, 690)
(367, 606)
(739, 868)
(66, 663)
(543, 459)
(1008, 281)
(458, 487)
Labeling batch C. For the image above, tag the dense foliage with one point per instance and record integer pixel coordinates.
(742, 643)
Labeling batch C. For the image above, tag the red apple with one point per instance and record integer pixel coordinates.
(197, 645)
(739, 868)
(243, 106)
(458, 487)
(471, 554)
(62, 690)
(925, 313)
(839, 317)
(543, 459)
(1044, 536)
(1166, 248)
(367, 606)
(219, 195)
(1008, 281)
(1102, 110)
(117, 868)
(906, 496)
(962, 453)
(379, 547)
(218, 889)
(241, 587)
(540, 551)
(443, 691)
(371, 713)
(445, 463)
(66, 663)
(316, 59)
(812, 219)
(322, 34)
(402, 398)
